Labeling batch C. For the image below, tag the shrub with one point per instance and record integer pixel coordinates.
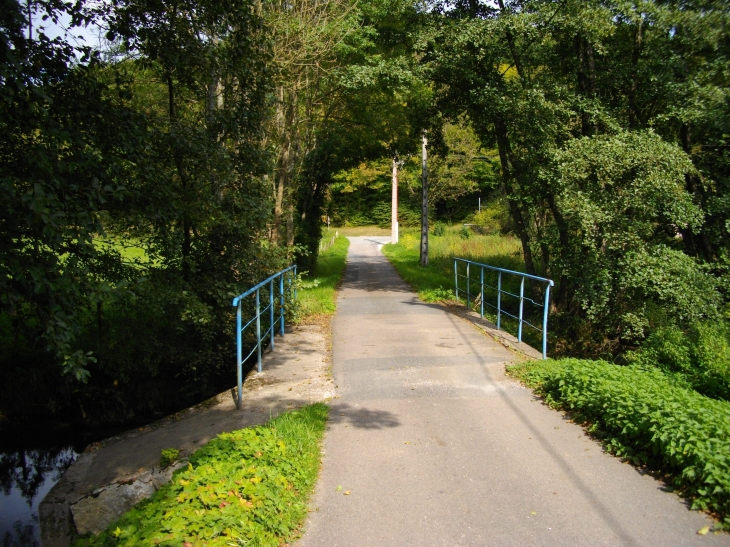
(700, 358)
(439, 229)
(643, 416)
(464, 233)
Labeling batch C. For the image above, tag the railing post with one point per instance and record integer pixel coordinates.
(545, 321)
(499, 298)
(239, 356)
(481, 295)
(468, 298)
(272, 321)
(258, 327)
(456, 280)
(522, 302)
(293, 280)
(281, 302)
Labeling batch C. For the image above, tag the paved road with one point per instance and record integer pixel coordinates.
(436, 446)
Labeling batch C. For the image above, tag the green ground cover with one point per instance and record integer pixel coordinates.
(647, 417)
(317, 293)
(247, 487)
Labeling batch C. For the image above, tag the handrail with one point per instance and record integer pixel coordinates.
(271, 308)
(500, 291)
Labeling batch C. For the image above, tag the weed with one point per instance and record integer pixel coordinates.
(169, 456)
(248, 487)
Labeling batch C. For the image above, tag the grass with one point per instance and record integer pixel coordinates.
(438, 276)
(646, 417)
(247, 487)
(436, 282)
(355, 231)
(317, 292)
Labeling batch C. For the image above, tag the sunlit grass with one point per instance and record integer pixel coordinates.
(317, 293)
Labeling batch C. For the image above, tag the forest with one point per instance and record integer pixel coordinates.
(198, 146)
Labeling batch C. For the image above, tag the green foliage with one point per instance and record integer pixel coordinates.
(436, 295)
(610, 122)
(247, 487)
(643, 416)
(700, 358)
(464, 232)
(439, 229)
(169, 456)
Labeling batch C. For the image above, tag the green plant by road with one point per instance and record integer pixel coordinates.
(247, 487)
(643, 415)
(317, 293)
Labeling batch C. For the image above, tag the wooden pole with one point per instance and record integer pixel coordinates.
(424, 205)
(394, 204)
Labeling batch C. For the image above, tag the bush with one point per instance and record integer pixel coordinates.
(464, 233)
(439, 229)
(248, 487)
(699, 358)
(643, 416)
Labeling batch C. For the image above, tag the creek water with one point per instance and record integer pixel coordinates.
(32, 460)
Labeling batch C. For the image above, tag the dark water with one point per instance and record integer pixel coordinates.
(26, 476)
(32, 460)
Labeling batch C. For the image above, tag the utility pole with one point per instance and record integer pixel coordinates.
(424, 205)
(394, 203)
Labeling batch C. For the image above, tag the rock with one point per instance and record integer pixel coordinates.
(97, 511)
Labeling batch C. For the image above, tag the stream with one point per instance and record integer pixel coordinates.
(32, 460)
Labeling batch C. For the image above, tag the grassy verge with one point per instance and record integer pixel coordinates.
(248, 487)
(361, 231)
(642, 415)
(317, 293)
(436, 282)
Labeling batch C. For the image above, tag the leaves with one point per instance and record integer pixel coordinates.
(645, 417)
(244, 486)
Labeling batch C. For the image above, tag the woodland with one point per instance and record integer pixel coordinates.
(200, 145)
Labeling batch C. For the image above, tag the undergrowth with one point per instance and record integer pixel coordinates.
(646, 417)
(248, 487)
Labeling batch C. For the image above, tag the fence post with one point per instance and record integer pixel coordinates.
(281, 302)
(522, 302)
(258, 327)
(293, 280)
(239, 356)
(468, 298)
(272, 321)
(456, 280)
(481, 295)
(545, 321)
(499, 298)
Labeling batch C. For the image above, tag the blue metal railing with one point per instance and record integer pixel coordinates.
(500, 291)
(285, 284)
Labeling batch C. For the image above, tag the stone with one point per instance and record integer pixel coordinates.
(96, 512)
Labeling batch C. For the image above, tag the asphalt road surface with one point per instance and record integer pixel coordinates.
(430, 443)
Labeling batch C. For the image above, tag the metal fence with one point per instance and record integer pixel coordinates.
(522, 318)
(273, 320)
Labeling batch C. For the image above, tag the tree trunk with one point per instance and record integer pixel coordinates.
(693, 241)
(508, 175)
(634, 114)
